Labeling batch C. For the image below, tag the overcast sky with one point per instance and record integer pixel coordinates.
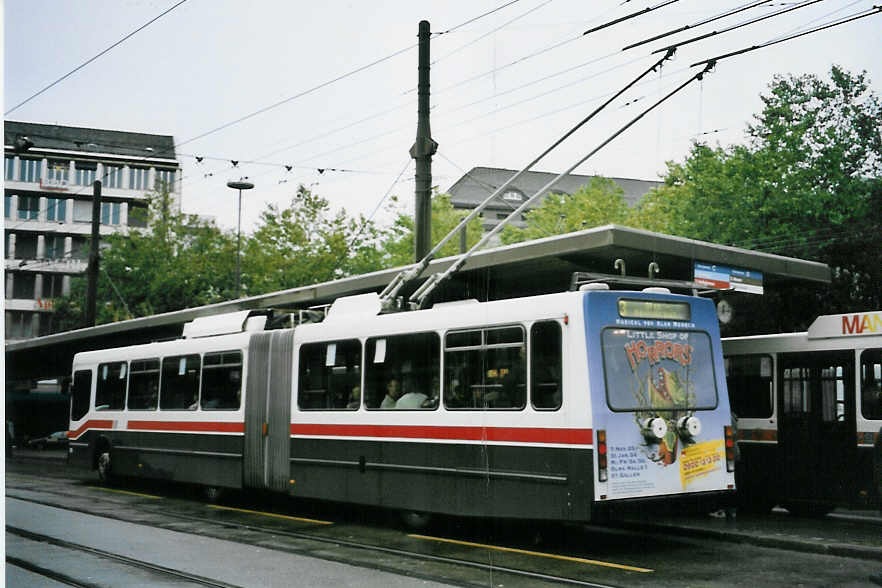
(501, 89)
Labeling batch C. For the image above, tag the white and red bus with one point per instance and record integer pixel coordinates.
(809, 410)
(557, 407)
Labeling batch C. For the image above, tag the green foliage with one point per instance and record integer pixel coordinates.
(398, 240)
(600, 202)
(306, 244)
(806, 185)
(177, 262)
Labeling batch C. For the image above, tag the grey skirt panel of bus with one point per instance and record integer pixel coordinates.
(268, 411)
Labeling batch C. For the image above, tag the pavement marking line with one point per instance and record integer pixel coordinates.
(270, 514)
(592, 562)
(127, 492)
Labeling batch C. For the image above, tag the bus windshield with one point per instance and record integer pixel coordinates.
(658, 370)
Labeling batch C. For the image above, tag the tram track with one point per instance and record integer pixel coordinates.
(107, 555)
(223, 526)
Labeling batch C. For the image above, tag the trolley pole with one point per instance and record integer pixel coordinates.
(422, 151)
(92, 287)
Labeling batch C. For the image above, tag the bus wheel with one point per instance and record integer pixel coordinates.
(104, 471)
(416, 521)
(212, 494)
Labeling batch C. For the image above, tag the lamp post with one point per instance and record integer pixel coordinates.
(240, 185)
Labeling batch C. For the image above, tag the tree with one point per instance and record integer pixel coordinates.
(177, 262)
(306, 244)
(398, 241)
(806, 185)
(600, 202)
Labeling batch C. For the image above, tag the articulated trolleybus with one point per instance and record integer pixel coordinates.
(809, 409)
(556, 407)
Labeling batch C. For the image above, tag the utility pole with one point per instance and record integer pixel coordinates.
(422, 151)
(92, 291)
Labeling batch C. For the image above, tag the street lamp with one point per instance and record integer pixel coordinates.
(240, 185)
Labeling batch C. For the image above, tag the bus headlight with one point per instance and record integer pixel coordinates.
(689, 427)
(655, 428)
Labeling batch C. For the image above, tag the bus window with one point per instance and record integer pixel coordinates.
(871, 384)
(653, 370)
(81, 393)
(110, 390)
(402, 372)
(832, 394)
(222, 380)
(143, 384)
(329, 372)
(796, 390)
(545, 365)
(485, 368)
(749, 379)
(180, 383)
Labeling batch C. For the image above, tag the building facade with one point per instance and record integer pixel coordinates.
(47, 207)
(478, 183)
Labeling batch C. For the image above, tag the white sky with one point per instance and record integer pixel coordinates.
(210, 62)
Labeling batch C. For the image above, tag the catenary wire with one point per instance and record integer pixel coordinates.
(842, 21)
(87, 62)
(741, 24)
(705, 21)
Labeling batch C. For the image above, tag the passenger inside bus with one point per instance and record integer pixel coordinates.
(355, 398)
(393, 393)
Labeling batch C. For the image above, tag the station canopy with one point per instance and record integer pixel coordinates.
(523, 269)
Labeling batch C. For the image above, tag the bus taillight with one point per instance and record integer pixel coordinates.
(730, 449)
(602, 474)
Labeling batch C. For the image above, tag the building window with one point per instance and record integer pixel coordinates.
(30, 170)
(113, 176)
(52, 286)
(54, 246)
(10, 169)
(78, 248)
(28, 207)
(513, 196)
(85, 173)
(23, 285)
(110, 213)
(138, 178)
(26, 246)
(58, 173)
(56, 209)
(82, 211)
(137, 215)
(165, 177)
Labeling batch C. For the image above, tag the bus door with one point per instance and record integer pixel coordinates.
(817, 425)
(268, 411)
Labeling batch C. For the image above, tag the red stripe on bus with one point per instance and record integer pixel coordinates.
(207, 427)
(96, 424)
(514, 434)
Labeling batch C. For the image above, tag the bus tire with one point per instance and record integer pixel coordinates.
(212, 494)
(416, 521)
(105, 473)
